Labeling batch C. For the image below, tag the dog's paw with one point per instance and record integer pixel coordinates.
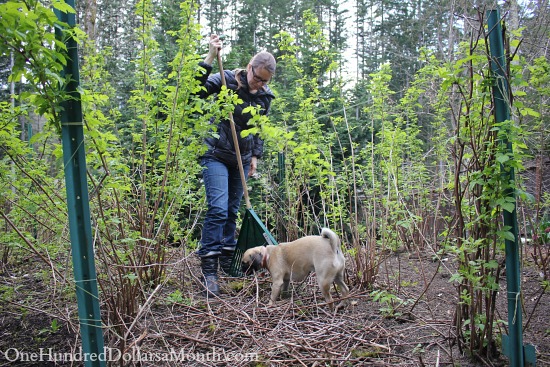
(286, 294)
(342, 305)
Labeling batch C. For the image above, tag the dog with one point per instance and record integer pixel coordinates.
(295, 260)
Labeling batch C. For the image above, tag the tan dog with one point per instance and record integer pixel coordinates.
(295, 260)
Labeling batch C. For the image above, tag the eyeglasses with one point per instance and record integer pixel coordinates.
(257, 78)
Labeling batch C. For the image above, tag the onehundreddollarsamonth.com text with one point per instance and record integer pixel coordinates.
(133, 355)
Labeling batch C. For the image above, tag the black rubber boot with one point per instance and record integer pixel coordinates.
(225, 260)
(209, 266)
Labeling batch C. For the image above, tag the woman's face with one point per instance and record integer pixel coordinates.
(257, 77)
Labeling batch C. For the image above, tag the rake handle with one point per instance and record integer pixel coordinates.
(235, 139)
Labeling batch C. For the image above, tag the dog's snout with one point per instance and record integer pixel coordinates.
(246, 268)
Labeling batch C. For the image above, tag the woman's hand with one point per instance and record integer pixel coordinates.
(253, 166)
(214, 45)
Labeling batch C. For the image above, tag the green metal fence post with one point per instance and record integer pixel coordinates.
(513, 343)
(74, 158)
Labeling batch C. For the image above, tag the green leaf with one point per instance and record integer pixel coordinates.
(526, 111)
(502, 158)
(456, 278)
(507, 235)
(492, 264)
(63, 7)
(509, 207)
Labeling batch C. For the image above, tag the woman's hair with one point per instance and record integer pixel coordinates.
(263, 60)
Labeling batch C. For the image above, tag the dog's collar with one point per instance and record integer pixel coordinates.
(264, 260)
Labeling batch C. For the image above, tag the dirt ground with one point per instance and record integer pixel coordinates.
(411, 327)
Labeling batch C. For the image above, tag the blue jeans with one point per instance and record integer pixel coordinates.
(224, 191)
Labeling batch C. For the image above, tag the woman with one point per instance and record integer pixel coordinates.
(221, 175)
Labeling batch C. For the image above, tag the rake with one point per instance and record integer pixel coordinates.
(253, 232)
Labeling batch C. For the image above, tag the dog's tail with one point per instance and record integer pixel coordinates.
(333, 238)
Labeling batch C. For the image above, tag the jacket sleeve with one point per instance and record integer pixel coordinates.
(258, 149)
(212, 83)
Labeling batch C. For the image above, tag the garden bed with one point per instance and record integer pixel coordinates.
(411, 324)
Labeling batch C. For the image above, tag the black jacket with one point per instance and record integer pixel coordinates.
(222, 147)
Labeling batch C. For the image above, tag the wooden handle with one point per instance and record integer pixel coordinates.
(235, 140)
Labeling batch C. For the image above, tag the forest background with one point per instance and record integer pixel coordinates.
(382, 130)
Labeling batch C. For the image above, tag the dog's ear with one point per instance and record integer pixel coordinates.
(257, 260)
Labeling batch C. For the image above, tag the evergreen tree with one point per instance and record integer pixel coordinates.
(168, 23)
(116, 23)
(5, 70)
